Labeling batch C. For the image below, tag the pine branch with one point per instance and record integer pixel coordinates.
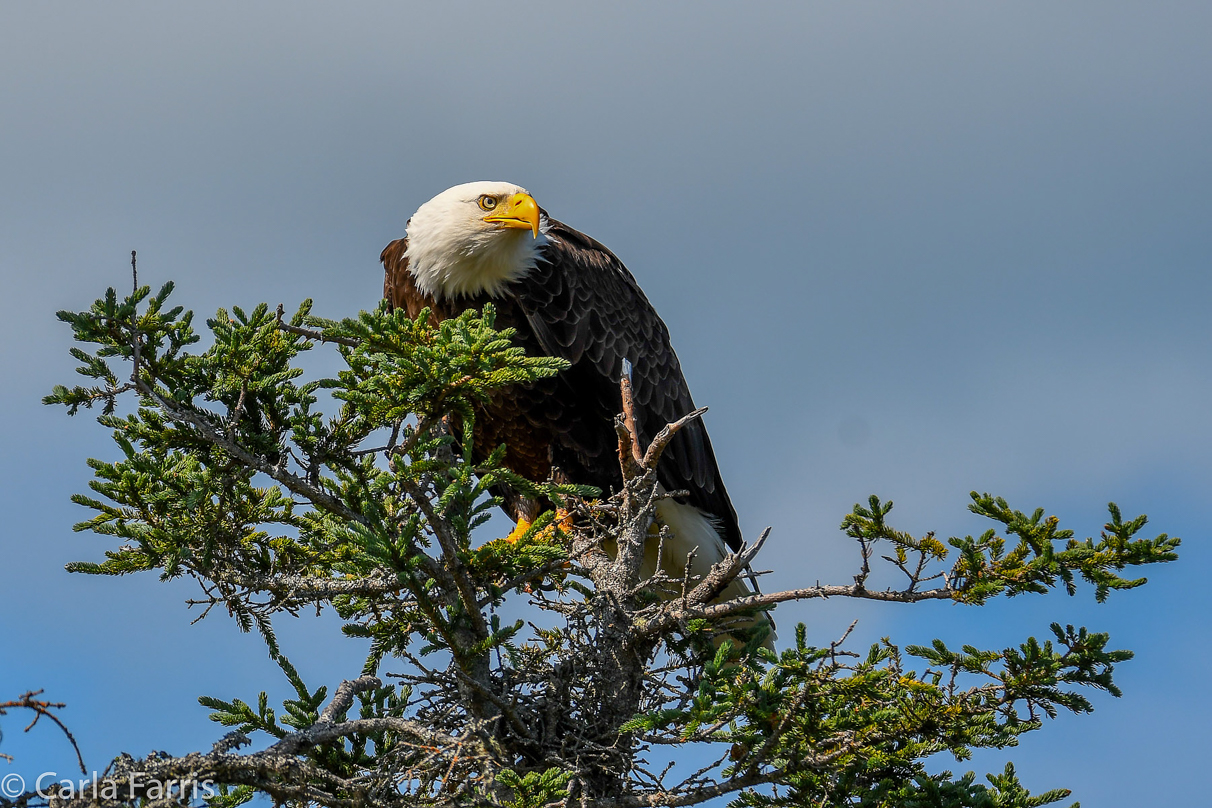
(373, 510)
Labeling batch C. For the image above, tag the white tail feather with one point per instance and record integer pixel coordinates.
(692, 530)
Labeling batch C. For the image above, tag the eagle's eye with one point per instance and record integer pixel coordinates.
(487, 202)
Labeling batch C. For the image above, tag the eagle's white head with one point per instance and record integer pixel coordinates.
(474, 238)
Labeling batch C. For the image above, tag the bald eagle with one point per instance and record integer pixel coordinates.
(567, 296)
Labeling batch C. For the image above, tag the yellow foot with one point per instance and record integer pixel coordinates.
(563, 520)
(519, 530)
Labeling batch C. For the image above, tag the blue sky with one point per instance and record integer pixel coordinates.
(911, 249)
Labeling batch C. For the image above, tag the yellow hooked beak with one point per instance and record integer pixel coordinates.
(519, 211)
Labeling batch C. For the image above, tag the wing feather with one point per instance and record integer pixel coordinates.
(583, 304)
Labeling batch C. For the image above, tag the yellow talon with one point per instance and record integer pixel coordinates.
(518, 531)
(563, 520)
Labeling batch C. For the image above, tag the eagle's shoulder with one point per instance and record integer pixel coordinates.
(399, 286)
(585, 257)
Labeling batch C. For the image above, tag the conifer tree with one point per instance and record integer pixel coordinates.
(279, 493)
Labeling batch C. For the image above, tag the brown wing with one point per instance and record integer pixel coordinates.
(399, 288)
(515, 416)
(582, 304)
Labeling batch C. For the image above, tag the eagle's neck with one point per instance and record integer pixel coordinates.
(448, 264)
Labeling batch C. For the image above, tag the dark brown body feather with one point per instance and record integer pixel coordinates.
(582, 304)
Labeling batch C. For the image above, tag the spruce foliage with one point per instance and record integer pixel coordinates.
(360, 492)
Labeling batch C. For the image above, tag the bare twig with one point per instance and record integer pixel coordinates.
(716, 611)
(629, 410)
(134, 271)
(312, 334)
(40, 708)
(723, 572)
(662, 439)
